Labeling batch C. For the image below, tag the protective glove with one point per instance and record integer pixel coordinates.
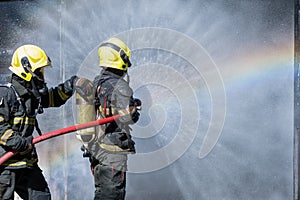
(73, 80)
(135, 105)
(68, 84)
(28, 144)
(135, 116)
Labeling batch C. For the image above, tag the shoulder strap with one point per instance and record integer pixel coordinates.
(16, 100)
(98, 85)
(104, 88)
(9, 85)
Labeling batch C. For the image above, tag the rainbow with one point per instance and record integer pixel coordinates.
(248, 65)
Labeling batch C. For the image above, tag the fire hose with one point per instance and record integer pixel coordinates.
(62, 131)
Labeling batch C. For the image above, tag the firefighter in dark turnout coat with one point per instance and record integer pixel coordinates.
(20, 101)
(108, 149)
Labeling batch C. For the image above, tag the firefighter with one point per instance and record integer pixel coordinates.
(109, 148)
(21, 100)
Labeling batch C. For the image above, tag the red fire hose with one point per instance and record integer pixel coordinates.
(62, 131)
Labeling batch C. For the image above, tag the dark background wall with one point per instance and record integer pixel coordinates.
(20, 24)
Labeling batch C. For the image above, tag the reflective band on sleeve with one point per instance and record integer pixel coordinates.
(113, 148)
(108, 111)
(26, 120)
(1, 118)
(18, 163)
(123, 112)
(2, 101)
(51, 99)
(5, 136)
(63, 96)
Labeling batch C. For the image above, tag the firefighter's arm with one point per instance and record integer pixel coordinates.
(9, 139)
(58, 95)
(126, 105)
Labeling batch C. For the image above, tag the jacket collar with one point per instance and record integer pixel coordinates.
(20, 88)
(109, 73)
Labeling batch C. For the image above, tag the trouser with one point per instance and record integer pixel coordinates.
(110, 182)
(28, 183)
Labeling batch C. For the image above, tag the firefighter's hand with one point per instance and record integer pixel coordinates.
(134, 113)
(137, 104)
(83, 86)
(29, 145)
(134, 108)
(68, 85)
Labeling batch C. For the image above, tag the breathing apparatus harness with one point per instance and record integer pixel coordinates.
(114, 141)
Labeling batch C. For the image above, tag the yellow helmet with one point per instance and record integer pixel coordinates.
(26, 59)
(114, 53)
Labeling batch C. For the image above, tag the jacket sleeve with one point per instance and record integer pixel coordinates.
(9, 139)
(58, 95)
(122, 98)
